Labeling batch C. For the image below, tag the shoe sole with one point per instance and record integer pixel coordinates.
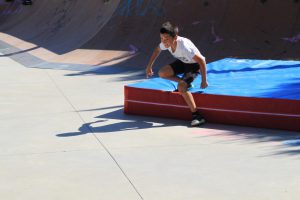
(198, 123)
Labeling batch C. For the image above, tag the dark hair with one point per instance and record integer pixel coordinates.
(169, 28)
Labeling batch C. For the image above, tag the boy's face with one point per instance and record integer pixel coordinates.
(167, 40)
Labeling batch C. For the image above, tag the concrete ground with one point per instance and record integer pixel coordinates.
(64, 136)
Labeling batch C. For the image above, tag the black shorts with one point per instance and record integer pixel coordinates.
(189, 71)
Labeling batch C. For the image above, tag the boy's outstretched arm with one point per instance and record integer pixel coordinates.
(155, 54)
(202, 64)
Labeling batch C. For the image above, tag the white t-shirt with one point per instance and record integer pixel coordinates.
(185, 50)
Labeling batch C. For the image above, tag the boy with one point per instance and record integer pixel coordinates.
(189, 62)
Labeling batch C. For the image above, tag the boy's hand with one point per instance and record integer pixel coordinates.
(149, 72)
(204, 84)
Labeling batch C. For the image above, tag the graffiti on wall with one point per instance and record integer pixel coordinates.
(293, 39)
(217, 37)
(10, 8)
(140, 8)
(213, 32)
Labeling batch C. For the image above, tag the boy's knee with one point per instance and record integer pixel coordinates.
(166, 72)
(163, 74)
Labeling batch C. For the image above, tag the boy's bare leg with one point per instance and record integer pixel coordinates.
(190, 101)
(188, 97)
(167, 72)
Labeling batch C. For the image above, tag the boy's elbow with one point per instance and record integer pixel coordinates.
(200, 59)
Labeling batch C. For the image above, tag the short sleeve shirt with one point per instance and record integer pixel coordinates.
(185, 50)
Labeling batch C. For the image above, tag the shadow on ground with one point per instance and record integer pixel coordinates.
(124, 123)
(284, 142)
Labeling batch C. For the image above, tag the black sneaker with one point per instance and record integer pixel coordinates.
(197, 120)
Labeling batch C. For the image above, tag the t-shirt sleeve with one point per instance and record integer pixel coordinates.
(192, 50)
(162, 46)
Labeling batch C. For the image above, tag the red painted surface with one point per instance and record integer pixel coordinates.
(235, 110)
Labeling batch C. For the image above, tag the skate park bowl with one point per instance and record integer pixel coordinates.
(251, 47)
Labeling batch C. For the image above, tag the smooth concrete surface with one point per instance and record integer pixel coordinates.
(64, 136)
(63, 131)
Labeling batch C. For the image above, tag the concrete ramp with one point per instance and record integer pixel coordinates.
(53, 31)
(125, 32)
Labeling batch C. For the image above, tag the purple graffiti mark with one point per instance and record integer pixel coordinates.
(195, 23)
(140, 8)
(213, 32)
(11, 8)
(133, 49)
(125, 10)
(293, 39)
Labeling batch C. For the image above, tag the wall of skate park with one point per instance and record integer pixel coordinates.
(124, 32)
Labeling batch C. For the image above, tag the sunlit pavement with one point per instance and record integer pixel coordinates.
(64, 136)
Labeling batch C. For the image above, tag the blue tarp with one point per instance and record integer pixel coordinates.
(242, 77)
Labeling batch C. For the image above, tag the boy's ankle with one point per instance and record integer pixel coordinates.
(195, 113)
